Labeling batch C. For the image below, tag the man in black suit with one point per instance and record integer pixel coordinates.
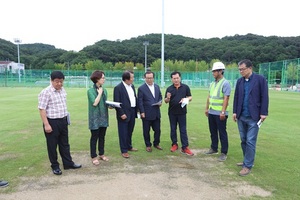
(124, 93)
(149, 102)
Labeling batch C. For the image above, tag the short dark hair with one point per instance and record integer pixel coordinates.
(96, 75)
(57, 75)
(247, 62)
(126, 75)
(174, 73)
(149, 72)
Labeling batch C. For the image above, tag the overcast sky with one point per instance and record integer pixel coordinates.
(74, 24)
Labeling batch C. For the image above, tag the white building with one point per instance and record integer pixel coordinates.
(11, 67)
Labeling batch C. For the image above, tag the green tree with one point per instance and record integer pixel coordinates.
(292, 73)
(156, 65)
(140, 67)
(119, 66)
(59, 66)
(94, 65)
(77, 66)
(191, 66)
(108, 66)
(49, 64)
(202, 66)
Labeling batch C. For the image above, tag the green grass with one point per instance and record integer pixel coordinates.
(23, 149)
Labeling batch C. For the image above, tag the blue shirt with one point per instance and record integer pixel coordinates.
(245, 110)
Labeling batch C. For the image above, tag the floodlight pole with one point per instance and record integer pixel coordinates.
(146, 43)
(162, 84)
(18, 42)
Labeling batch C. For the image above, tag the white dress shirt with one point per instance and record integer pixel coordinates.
(130, 92)
(151, 87)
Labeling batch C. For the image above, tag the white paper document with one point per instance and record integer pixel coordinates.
(157, 103)
(113, 104)
(185, 102)
(259, 123)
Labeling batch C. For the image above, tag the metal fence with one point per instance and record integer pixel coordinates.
(282, 75)
(81, 78)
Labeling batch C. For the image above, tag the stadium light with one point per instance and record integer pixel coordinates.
(146, 43)
(162, 84)
(18, 42)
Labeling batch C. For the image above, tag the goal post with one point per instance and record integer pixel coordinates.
(76, 81)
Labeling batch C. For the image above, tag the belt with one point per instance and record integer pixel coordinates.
(64, 118)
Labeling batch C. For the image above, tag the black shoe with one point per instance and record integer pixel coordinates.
(57, 171)
(74, 166)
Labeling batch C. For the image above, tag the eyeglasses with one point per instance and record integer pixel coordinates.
(149, 78)
(243, 69)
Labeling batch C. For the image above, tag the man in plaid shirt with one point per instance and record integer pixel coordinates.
(53, 110)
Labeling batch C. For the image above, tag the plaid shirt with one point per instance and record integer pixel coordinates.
(54, 102)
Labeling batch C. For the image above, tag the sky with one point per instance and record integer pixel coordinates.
(75, 24)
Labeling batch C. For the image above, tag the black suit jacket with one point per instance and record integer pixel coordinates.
(121, 95)
(146, 99)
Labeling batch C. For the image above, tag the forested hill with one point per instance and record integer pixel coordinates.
(228, 49)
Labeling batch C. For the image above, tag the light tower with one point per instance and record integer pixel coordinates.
(146, 43)
(18, 42)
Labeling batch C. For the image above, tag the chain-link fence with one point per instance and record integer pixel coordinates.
(81, 78)
(282, 75)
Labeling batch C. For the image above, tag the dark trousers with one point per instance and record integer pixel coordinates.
(97, 136)
(155, 124)
(125, 129)
(217, 129)
(181, 121)
(58, 137)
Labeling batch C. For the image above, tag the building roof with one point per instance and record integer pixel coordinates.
(5, 62)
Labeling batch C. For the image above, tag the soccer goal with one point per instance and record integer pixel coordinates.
(76, 81)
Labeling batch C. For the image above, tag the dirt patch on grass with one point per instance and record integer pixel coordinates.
(140, 177)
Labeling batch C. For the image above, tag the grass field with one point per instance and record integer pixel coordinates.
(23, 150)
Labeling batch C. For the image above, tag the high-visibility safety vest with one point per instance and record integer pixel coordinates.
(216, 96)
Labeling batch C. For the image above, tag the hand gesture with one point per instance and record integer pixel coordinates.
(169, 95)
(100, 90)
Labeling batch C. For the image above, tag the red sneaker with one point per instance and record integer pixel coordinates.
(174, 147)
(187, 151)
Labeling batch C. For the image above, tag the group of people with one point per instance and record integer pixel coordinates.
(147, 103)
(250, 105)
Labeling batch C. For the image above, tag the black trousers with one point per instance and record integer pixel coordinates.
(217, 129)
(181, 121)
(58, 138)
(155, 124)
(97, 135)
(125, 130)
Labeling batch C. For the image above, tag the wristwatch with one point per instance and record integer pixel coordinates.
(223, 113)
